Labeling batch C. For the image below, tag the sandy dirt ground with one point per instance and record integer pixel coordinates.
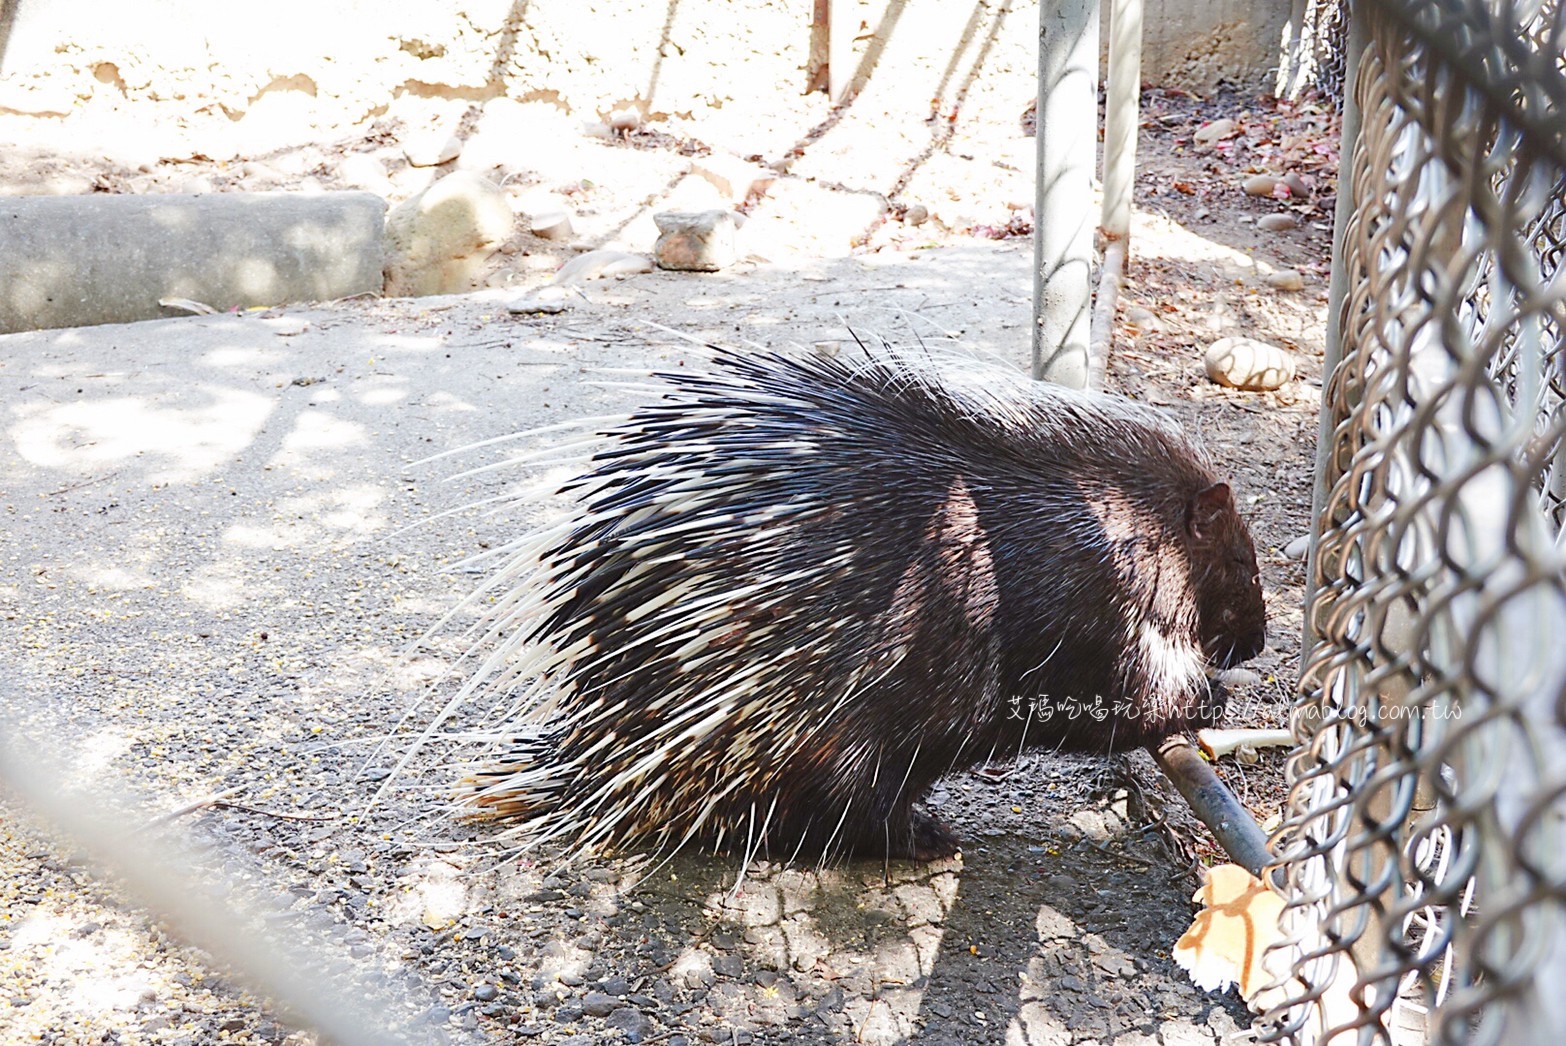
(220, 550)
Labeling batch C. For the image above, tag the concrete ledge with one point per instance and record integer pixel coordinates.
(71, 261)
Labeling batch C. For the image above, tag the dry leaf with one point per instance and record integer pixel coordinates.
(1229, 936)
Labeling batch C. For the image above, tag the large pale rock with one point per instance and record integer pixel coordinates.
(695, 241)
(437, 242)
(1245, 363)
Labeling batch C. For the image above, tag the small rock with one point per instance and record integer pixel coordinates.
(1298, 548)
(551, 225)
(1276, 223)
(624, 119)
(1248, 364)
(1286, 280)
(486, 993)
(916, 214)
(598, 1004)
(1140, 318)
(534, 305)
(1296, 184)
(616, 986)
(1259, 185)
(1215, 130)
(695, 241)
(597, 129)
(597, 265)
(1237, 677)
(432, 150)
(631, 1021)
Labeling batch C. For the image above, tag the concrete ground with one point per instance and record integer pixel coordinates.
(219, 551)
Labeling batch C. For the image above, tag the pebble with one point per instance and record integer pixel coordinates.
(1286, 280)
(1248, 364)
(1140, 318)
(432, 150)
(599, 1004)
(1297, 548)
(486, 993)
(534, 305)
(632, 1022)
(1240, 677)
(1296, 184)
(1215, 130)
(363, 171)
(626, 119)
(916, 214)
(551, 225)
(616, 986)
(1277, 223)
(1259, 185)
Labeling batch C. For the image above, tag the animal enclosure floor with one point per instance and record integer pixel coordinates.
(220, 547)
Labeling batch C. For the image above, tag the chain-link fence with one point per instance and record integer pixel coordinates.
(1422, 845)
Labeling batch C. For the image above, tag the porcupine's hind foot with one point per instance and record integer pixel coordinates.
(910, 834)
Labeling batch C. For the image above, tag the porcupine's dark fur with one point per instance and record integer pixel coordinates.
(795, 592)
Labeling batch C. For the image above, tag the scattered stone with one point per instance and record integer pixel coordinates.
(1298, 548)
(695, 241)
(598, 129)
(432, 150)
(1259, 185)
(1140, 318)
(916, 214)
(631, 1021)
(437, 242)
(1248, 364)
(599, 1004)
(624, 119)
(551, 225)
(486, 993)
(1238, 677)
(598, 265)
(1276, 223)
(1215, 130)
(536, 305)
(736, 180)
(1286, 280)
(1296, 184)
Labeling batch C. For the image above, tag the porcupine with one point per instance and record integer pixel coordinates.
(795, 592)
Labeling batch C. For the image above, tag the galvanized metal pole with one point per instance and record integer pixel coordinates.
(1122, 95)
(1063, 210)
(1337, 291)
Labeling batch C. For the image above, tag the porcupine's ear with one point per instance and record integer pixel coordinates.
(1204, 510)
